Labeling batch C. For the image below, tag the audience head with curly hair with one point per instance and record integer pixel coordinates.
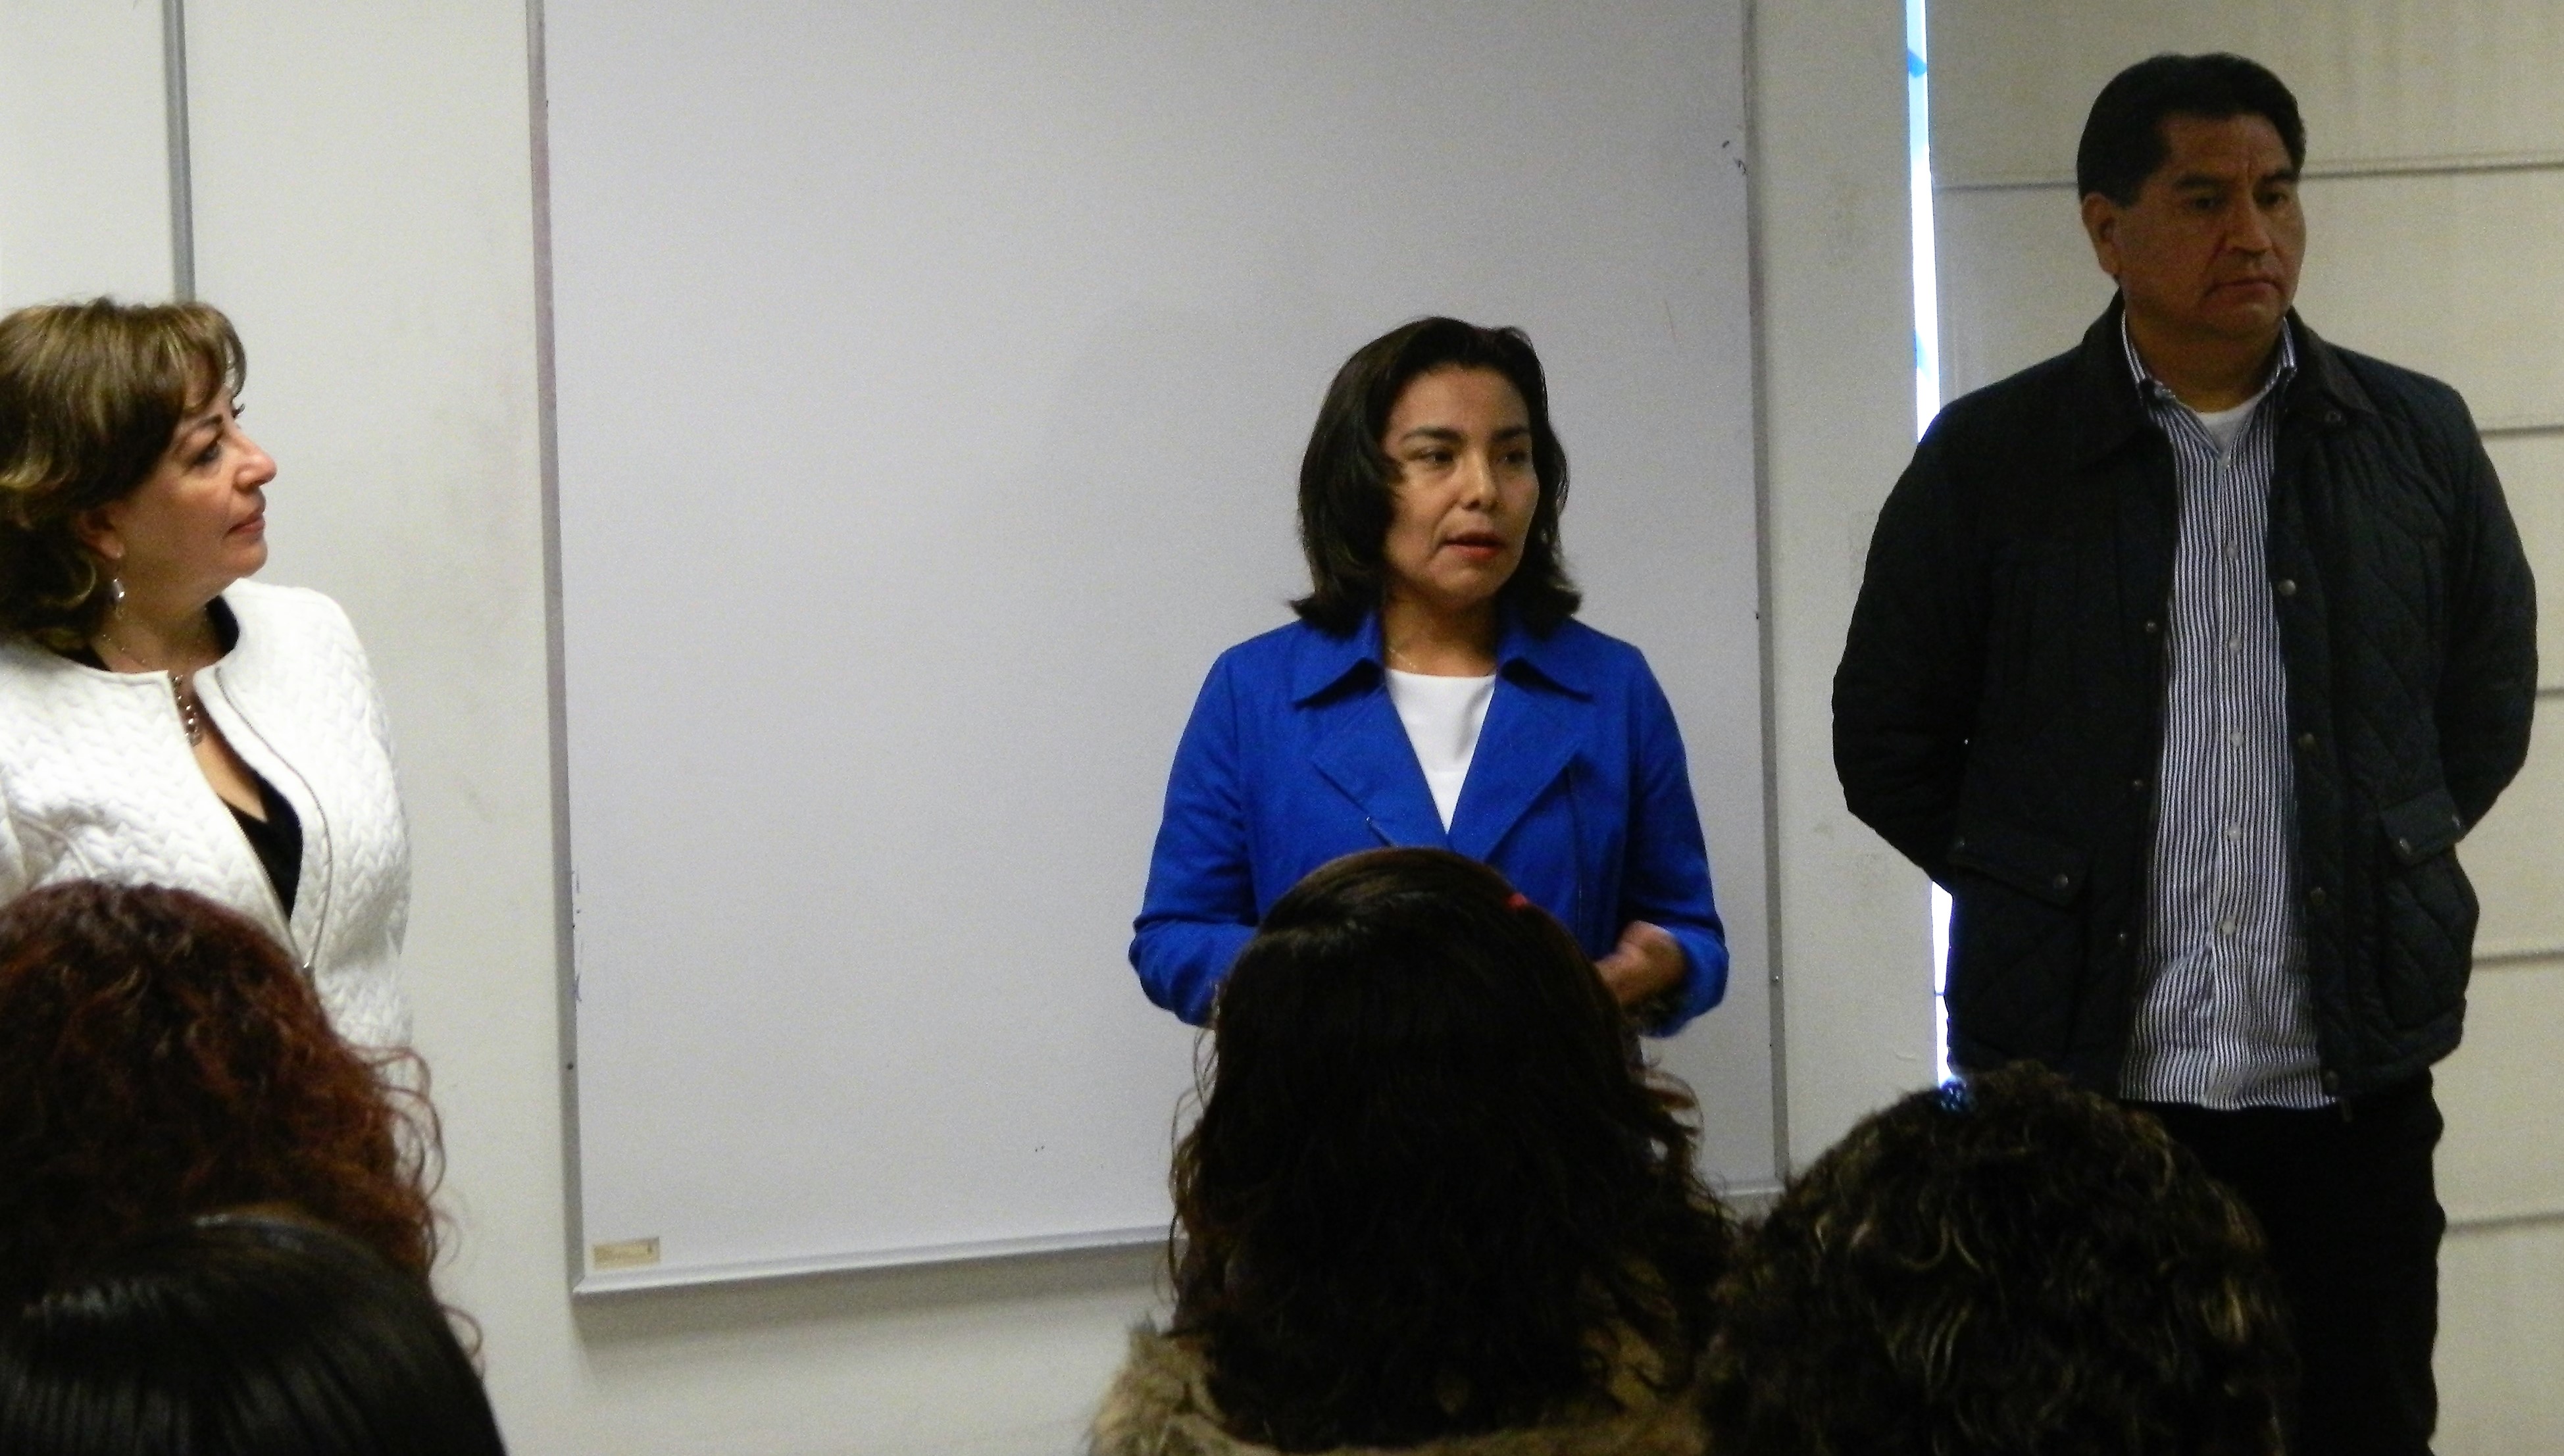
(2001, 1267)
(160, 1059)
(1433, 1190)
(239, 1337)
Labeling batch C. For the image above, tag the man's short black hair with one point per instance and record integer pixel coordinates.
(2123, 138)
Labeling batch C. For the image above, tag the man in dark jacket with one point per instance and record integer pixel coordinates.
(2183, 661)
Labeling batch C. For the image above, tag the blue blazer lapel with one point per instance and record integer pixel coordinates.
(1361, 747)
(1529, 738)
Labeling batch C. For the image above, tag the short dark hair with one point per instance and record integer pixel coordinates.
(240, 1336)
(2123, 139)
(1347, 479)
(90, 397)
(160, 1058)
(2004, 1267)
(1433, 1190)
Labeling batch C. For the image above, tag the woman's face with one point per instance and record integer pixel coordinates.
(198, 523)
(1466, 490)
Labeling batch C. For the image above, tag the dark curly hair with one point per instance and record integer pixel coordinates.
(240, 1336)
(161, 1057)
(91, 396)
(1432, 1189)
(2002, 1267)
(1348, 482)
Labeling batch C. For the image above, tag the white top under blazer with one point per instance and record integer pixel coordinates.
(97, 781)
(1443, 716)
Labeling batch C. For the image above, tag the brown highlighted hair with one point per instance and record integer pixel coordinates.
(1348, 482)
(2006, 1266)
(160, 1059)
(90, 397)
(1432, 1189)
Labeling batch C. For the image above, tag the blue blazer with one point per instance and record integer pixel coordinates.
(1295, 756)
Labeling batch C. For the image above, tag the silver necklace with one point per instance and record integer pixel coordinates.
(191, 712)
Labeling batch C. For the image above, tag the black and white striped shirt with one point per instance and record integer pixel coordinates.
(2224, 1017)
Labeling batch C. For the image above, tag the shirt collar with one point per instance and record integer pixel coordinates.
(1326, 660)
(2156, 393)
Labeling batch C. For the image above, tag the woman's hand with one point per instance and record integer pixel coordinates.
(1647, 962)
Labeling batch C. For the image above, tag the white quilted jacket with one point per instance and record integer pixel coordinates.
(96, 782)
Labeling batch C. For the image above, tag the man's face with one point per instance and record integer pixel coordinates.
(2209, 251)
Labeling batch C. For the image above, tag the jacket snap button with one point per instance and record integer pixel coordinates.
(2331, 1084)
(2287, 586)
(2153, 627)
(2306, 741)
(2137, 785)
(2315, 895)
(2403, 846)
(2062, 880)
(2332, 417)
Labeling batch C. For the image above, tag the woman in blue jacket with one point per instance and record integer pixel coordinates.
(1436, 690)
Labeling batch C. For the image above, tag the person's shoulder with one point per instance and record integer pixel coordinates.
(265, 605)
(1279, 644)
(1573, 643)
(1161, 1387)
(2427, 412)
(2400, 392)
(1294, 652)
(2028, 398)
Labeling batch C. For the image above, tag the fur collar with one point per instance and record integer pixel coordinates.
(1160, 1405)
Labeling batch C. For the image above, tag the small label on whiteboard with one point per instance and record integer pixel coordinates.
(624, 1254)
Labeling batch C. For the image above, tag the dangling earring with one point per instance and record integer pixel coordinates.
(115, 592)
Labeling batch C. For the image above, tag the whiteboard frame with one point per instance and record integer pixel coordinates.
(584, 1282)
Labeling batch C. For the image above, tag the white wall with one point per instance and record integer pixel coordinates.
(83, 154)
(365, 208)
(1833, 258)
(2435, 174)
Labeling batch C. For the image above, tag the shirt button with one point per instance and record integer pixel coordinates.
(2226, 926)
(2235, 831)
(2234, 737)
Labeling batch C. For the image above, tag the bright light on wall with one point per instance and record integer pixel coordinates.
(1927, 395)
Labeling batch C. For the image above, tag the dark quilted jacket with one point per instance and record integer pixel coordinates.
(1997, 714)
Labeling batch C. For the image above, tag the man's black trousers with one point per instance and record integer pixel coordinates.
(2346, 1199)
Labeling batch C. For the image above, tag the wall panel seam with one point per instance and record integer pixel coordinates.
(2354, 170)
(2502, 1221)
(2518, 953)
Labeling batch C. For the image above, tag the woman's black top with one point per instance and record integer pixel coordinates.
(278, 839)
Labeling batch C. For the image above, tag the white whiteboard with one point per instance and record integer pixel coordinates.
(932, 380)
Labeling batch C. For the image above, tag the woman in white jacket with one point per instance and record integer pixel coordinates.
(164, 719)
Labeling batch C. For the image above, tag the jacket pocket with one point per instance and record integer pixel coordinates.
(2015, 939)
(2031, 862)
(2421, 826)
(2427, 911)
